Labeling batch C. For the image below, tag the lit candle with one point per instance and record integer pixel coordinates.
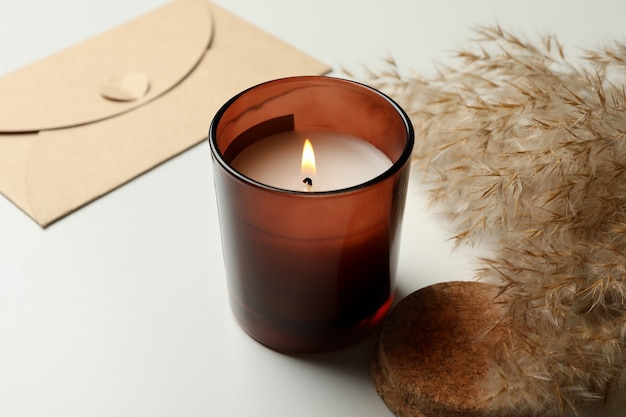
(310, 234)
(340, 161)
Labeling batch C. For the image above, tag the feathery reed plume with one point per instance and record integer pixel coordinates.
(527, 153)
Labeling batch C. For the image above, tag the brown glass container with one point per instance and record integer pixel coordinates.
(310, 271)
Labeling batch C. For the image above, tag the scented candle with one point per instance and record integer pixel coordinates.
(310, 256)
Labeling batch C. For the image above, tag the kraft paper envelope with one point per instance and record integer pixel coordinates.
(82, 122)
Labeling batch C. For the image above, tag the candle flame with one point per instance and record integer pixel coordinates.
(308, 159)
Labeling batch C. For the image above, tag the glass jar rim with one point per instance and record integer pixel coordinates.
(396, 165)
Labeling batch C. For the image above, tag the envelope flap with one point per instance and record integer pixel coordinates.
(109, 74)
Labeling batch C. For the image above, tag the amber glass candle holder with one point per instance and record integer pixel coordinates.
(310, 271)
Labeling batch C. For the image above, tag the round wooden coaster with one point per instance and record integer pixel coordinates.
(432, 354)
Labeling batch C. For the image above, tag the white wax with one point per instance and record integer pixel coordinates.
(342, 161)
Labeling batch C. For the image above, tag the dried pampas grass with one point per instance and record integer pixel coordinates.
(527, 153)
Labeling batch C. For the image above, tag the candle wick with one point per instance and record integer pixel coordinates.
(308, 181)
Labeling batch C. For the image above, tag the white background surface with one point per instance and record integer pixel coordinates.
(121, 308)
